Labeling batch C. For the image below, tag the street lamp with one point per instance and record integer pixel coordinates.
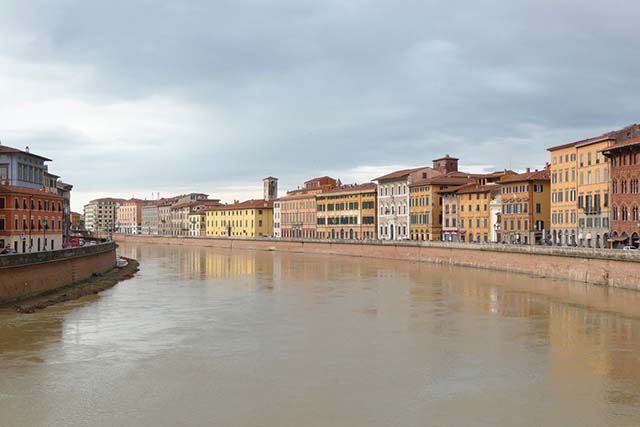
(46, 226)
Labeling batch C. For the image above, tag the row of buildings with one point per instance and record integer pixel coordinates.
(586, 195)
(35, 205)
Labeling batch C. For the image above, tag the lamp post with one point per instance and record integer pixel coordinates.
(46, 226)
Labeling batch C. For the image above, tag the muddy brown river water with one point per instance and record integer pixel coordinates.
(213, 337)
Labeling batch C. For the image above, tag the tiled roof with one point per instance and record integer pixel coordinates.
(603, 137)
(541, 175)
(10, 150)
(249, 204)
(474, 188)
(622, 144)
(319, 179)
(399, 174)
(213, 202)
(300, 194)
(354, 188)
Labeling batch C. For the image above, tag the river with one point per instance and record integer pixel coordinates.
(214, 337)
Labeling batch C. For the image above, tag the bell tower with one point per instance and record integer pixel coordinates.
(270, 188)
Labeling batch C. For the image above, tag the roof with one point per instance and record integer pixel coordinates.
(399, 174)
(248, 204)
(190, 204)
(450, 178)
(309, 193)
(353, 188)
(10, 150)
(320, 178)
(603, 137)
(623, 144)
(270, 177)
(537, 175)
(475, 188)
(108, 199)
(14, 189)
(446, 157)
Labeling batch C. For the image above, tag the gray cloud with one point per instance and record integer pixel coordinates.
(158, 97)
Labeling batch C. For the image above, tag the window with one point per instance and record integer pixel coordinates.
(2, 202)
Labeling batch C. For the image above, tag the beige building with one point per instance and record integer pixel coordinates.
(100, 215)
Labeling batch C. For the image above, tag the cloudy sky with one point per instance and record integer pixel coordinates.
(137, 97)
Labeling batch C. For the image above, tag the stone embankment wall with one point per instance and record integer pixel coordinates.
(27, 275)
(597, 266)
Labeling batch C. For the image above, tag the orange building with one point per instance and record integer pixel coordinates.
(129, 216)
(526, 207)
(297, 216)
(30, 220)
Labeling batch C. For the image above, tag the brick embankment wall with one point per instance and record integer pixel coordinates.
(597, 266)
(27, 275)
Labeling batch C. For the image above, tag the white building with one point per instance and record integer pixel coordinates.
(100, 214)
(393, 202)
(277, 231)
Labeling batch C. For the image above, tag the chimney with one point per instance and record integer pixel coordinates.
(528, 170)
(26, 149)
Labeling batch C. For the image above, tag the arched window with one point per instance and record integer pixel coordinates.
(634, 213)
(625, 213)
(623, 186)
(614, 186)
(615, 213)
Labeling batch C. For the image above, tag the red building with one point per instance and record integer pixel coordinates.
(30, 220)
(625, 198)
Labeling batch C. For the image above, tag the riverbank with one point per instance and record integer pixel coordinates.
(612, 268)
(96, 284)
(32, 274)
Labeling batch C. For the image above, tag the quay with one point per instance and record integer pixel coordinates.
(619, 269)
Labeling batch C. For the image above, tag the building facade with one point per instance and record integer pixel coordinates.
(526, 208)
(298, 209)
(181, 216)
(21, 168)
(30, 220)
(564, 194)
(150, 220)
(197, 223)
(100, 215)
(624, 162)
(277, 219)
(253, 218)
(394, 221)
(347, 213)
(593, 192)
(475, 221)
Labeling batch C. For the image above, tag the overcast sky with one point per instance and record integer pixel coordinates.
(136, 97)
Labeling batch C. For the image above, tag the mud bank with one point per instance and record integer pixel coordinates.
(93, 285)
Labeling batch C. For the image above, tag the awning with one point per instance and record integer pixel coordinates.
(618, 239)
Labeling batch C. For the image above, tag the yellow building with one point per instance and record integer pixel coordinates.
(347, 212)
(425, 204)
(564, 200)
(253, 218)
(476, 223)
(593, 192)
(580, 192)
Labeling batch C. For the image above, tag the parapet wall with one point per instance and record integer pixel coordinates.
(614, 268)
(27, 275)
